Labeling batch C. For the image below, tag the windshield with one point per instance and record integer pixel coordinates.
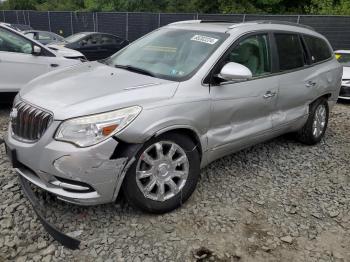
(343, 58)
(75, 37)
(171, 54)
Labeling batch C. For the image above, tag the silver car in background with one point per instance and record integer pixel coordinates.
(22, 59)
(147, 119)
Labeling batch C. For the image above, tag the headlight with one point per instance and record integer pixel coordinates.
(90, 130)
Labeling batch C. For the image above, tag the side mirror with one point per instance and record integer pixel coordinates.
(235, 72)
(83, 42)
(36, 50)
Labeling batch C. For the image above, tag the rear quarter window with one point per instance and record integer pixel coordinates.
(290, 51)
(318, 48)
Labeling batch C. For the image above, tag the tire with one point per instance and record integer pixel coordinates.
(136, 189)
(307, 134)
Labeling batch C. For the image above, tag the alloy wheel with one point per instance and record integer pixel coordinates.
(162, 171)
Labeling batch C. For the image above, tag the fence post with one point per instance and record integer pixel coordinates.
(48, 16)
(93, 21)
(17, 17)
(243, 18)
(127, 26)
(96, 21)
(24, 17)
(71, 22)
(158, 20)
(28, 17)
(298, 21)
(3, 15)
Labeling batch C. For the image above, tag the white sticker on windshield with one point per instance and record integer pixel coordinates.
(204, 39)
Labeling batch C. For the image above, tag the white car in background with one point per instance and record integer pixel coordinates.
(343, 57)
(23, 59)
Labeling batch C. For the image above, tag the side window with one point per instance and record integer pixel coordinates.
(44, 36)
(93, 39)
(30, 35)
(290, 51)
(108, 40)
(319, 49)
(254, 53)
(11, 42)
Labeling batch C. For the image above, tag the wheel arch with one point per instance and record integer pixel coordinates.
(325, 96)
(186, 131)
(129, 149)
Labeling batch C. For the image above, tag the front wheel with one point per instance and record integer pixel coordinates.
(164, 174)
(316, 125)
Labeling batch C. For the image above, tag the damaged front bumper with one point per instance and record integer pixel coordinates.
(65, 240)
(83, 176)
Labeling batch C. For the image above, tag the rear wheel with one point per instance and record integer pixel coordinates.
(316, 125)
(164, 174)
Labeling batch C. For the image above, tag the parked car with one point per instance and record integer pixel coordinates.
(43, 37)
(23, 59)
(19, 27)
(94, 46)
(343, 57)
(147, 119)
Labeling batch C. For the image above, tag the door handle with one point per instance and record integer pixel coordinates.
(310, 84)
(54, 65)
(269, 94)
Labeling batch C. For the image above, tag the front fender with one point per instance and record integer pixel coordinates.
(151, 122)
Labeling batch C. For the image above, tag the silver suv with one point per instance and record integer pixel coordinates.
(148, 118)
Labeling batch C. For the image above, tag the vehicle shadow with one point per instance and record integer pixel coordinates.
(343, 102)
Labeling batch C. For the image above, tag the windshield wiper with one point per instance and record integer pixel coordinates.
(135, 69)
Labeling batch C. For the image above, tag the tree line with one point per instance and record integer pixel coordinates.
(323, 7)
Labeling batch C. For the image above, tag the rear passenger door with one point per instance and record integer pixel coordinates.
(324, 64)
(296, 82)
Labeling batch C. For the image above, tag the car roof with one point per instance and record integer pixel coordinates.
(231, 27)
(342, 51)
(39, 31)
(91, 33)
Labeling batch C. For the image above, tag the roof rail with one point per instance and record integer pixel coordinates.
(186, 22)
(199, 22)
(235, 24)
(278, 22)
(215, 21)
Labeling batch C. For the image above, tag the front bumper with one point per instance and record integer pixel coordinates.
(65, 240)
(83, 176)
(345, 91)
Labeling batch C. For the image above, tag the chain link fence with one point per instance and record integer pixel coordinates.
(134, 25)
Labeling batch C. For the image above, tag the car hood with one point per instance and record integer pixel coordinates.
(64, 51)
(92, 88)
(346, 72)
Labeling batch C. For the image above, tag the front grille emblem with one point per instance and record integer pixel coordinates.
(13, 114)
(13, 117)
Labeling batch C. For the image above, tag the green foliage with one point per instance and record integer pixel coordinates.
(336, 7)
(340, 7)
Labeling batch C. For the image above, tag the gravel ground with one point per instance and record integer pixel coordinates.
(277, 201)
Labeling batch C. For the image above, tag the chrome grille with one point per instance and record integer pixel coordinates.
(29, 123)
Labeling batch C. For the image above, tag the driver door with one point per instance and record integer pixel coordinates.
(241, 112)
(18, 65)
